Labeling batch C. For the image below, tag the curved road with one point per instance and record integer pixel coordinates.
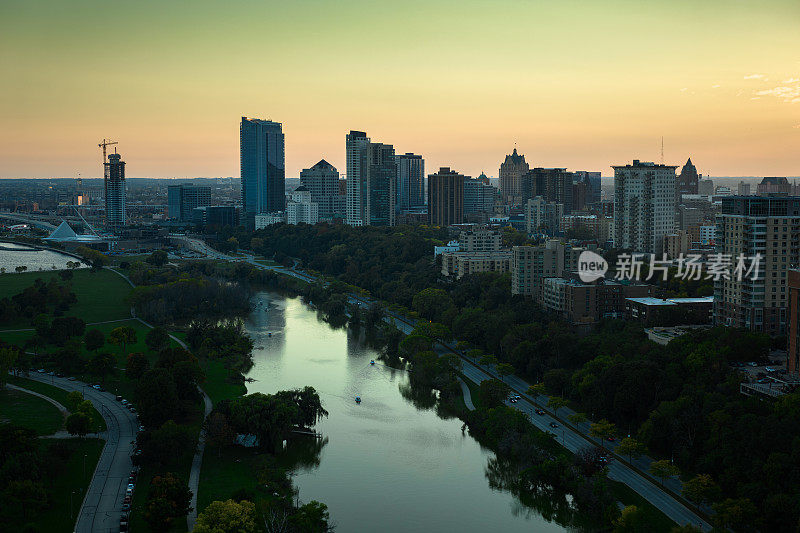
(102, 507)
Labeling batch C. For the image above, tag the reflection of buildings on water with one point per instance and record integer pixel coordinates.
(267, 324)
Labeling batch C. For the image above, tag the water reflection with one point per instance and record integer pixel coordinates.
(390, 463)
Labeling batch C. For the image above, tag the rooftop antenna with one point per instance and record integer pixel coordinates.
(662, 149)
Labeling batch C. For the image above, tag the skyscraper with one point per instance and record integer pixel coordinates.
(182, 199)
(478, 196)
(644, 206)
(552, 184)
(114, 179)
(446, 197)
(322, 181)
(751, 225)
(261, 153)
(371, 181)
(511, 172)
(356, 146)
(410, 181)
(688, 179)
(380, 185)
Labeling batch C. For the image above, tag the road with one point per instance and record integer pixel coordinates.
(572, 438)
(101, 509)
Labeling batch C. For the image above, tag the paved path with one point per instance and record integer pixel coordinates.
(197, 464)
(101, 509)
(467, 395)
(64, 410)
(88, 324)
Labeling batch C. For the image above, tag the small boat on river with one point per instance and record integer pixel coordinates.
(358, 399)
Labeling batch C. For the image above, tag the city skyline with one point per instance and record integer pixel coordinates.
(495, 76)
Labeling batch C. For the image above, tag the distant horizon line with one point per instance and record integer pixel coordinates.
(298, 177)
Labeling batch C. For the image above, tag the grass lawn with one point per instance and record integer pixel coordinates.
(29, 411)
(217, 385)
(73, 478)
(59, 395)
(224, 474)
(100, 294)
(474, 392)
(657, 521)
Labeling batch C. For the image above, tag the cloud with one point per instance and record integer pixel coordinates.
(788, 93)
(754, 77)
(684, 89)
(717, 86)
(797, 127)
(791, 80)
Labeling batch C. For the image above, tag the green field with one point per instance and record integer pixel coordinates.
(224, 474)
(100, 294)
(217, 385)
(29, 411)
(66, 490)
(59, 395)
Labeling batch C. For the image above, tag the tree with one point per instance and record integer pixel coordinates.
(492, 392)
(602, 429)
(555, 403)
(227, 517)
(74, 399)
(536, 390)
(219, 432)
(504, 369)
(78, 424)
(65, 275)
(163, 447)
(630, 447)
(157, 258)
(27, 496)
(311, 517)
(577, 418)
(701, 489)
(7, 358)
(94, 339)
(156, 339)
(169, 498)
(736, 513)
(123, 335)
(137, 365)
(157, 398)
(663, 469)
(101, 365)
(631, 520)
(488, 360)
(20, 269)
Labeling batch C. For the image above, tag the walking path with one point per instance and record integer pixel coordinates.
(64, 410)
(467, 395)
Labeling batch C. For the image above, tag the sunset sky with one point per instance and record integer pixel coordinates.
(582, 85)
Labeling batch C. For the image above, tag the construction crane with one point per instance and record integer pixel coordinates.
(103, 145)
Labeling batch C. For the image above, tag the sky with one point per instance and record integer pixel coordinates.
(583, 85)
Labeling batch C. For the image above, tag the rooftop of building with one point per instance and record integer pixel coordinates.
(650, 301)
(644, 164)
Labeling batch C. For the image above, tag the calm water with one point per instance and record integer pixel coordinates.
(14, 255)
(387, 466)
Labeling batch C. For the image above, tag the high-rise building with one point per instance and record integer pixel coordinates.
(705, 187)
(479, 196)
(644, 206)
(410, 181)
(592, 180)
(542, 216)
(356, 144)
(114, 179)
(263, 171)
(529, 266)
(793, 316)
(302, 209)
(770, 227)
(446, 197)
(743, 189)
(511, 172)
(380, 185)
(688, 179)
(182, 199)
(552, 184)
(322, 182)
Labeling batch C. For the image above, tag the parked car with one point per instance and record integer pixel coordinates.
(119, 398)
(553, 425)
(125, 402)
(70, 378)
(610, 438)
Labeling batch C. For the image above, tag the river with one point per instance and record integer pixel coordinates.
(13, 255)
(387, 465)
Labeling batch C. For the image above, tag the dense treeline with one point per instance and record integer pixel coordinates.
(40, 298)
